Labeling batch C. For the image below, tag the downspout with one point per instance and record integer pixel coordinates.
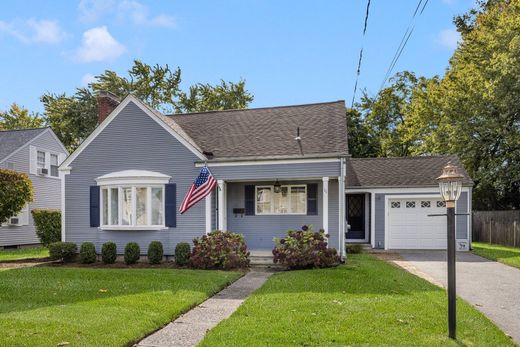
(341, 184)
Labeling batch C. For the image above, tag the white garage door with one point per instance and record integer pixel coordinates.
(410, 227)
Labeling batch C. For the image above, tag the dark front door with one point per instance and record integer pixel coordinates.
(356, 216)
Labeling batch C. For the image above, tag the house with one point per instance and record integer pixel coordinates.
(38, 153)
(277, 168)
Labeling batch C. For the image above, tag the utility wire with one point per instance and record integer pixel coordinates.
(358, 71)
(404, 41)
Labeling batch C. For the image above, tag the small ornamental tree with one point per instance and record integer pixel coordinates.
(15, 191)
(48, 225)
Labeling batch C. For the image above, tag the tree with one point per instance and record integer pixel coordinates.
(18, 117)
(74, 117)
(15, 192)
(360, 143)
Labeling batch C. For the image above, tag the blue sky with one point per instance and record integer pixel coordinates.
(289, 52)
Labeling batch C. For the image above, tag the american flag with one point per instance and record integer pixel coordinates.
(202, 186)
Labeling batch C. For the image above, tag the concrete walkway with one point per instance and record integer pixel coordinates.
(493, 288)
(190, 328)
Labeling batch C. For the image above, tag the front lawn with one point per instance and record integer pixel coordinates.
(367, 302)
(46, 306)
(506, 255)
(24, 253)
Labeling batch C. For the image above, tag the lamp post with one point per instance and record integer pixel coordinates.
(450, 185)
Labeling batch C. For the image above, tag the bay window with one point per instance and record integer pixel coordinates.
(292, 199)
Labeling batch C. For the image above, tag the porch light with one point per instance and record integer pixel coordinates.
(277, 187)
(450, 183)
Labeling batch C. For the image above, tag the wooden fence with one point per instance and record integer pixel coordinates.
(500, 227)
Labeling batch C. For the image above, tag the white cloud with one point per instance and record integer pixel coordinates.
(139, 15)
(448, 38)
(87, 79)
(34, 31)
(92, 10)
(98, 45)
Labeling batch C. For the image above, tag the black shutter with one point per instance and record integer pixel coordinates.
(170, 205)
(249, 200)
(312, 199)
(94, 206)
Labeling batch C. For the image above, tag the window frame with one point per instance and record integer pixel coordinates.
(57, 156)
(38, 151)
(289, 207)
(133, 225)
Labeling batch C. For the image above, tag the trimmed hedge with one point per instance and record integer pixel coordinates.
(132, 253)
(109, 252)
(182, 253)
(48, 225)
(219, 250)
(65, 251)
(87, 253)
(155, 252)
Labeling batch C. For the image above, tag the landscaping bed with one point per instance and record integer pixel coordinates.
(366, 302)
(503, 254)
(49, 306)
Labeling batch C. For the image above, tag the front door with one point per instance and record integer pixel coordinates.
(356, 216)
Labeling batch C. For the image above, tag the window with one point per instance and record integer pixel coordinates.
(441, 204)
(292, 199)
(426, 204)
(132, 206)
(54, 165)
(10, 166)
(40, 159)
(410, 204)
(395, 204)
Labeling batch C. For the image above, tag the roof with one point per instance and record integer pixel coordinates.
(11, 140)
(269, 131)
(399, 172)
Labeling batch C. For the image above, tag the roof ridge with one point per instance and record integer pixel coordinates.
(254, 108)
(25, 129)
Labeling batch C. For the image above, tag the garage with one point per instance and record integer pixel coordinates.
(409, 225)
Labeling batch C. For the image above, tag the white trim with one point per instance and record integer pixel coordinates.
(63, 174)
(470, 217)
(399, 190)
(289, 186)
(131, 227)
(208, 212)
(372, 220)
(341, 205)
(114, 114)
(366, 222)
(325, 197)
(269, 162)
(221, 207)
(132, 177)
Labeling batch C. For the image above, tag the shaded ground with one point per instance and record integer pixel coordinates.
(366, 302)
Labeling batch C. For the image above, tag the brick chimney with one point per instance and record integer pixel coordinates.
(106, 103)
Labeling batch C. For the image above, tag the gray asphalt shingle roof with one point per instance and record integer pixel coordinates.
(269, 132)
(11, 140)
(399, 172)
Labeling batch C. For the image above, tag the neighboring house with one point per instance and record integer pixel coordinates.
(277, 168)
(38, 153)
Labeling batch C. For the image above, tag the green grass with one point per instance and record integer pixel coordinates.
(24, 253)
(44, 306)
(367, 302)
(506, 255)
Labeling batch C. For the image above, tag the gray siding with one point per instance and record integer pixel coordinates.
(461, 227)
(47, 191)
(259, 231)
(132, 141)
(280, 171)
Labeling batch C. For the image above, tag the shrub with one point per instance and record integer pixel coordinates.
(182, 253)
(132, 253)
(304, 249)
(354, 248)
(48, 225)
(155, 252)
(65, 251)
(87, 253)
(109, 253)
(219, 250)
(15, 191)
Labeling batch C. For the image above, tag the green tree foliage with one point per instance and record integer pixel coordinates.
(360, 143)
(18, 117)
(15, 191)
(74, 117)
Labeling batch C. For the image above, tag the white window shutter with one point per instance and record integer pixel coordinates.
(32, 160)
(48, 161)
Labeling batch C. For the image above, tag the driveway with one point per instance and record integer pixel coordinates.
(491, 287)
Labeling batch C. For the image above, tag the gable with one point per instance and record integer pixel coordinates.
(11, 141)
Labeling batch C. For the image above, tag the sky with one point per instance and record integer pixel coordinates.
(288, 52)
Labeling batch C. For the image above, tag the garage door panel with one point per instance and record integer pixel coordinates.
(410, 227)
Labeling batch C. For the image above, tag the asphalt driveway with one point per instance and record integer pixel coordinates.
(491, 287)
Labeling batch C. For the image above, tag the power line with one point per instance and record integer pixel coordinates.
(358, 71)
(404, 41)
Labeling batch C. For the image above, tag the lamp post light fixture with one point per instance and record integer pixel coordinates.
(450, 185)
